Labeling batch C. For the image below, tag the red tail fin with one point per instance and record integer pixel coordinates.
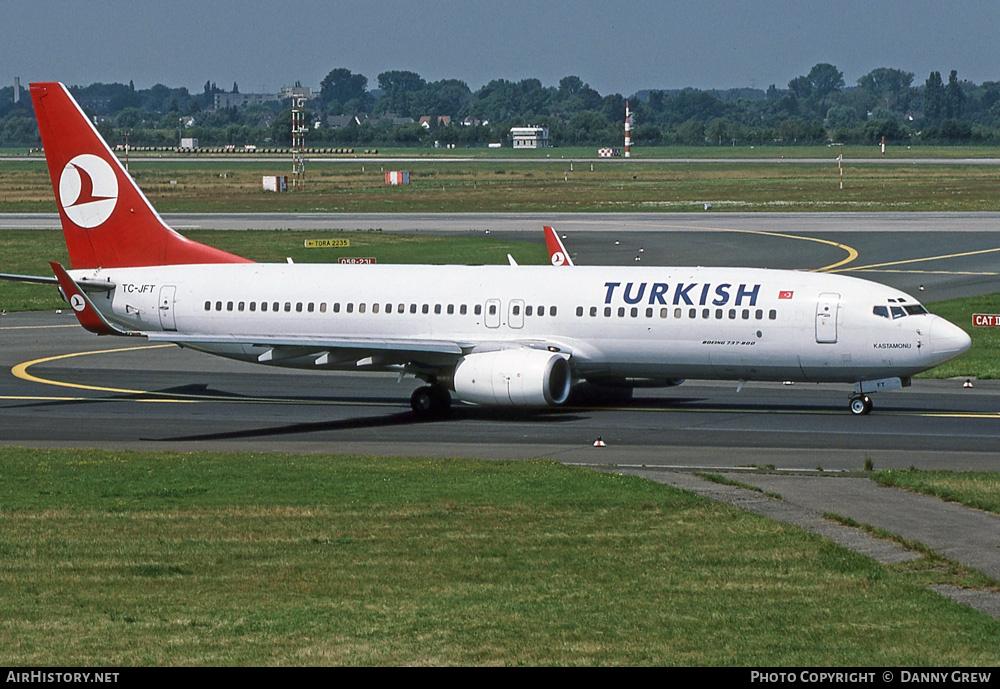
(557, 252)
(107, 220)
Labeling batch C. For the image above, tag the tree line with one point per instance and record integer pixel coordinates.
(817, 107)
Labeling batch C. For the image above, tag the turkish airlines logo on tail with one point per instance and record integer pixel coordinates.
(88, 190)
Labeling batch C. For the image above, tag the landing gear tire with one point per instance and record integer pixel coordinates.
(429, 400)
(861, 405)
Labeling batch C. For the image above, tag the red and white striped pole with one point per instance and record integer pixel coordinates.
(628, 131)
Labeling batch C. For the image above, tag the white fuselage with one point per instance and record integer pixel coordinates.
(613, 322)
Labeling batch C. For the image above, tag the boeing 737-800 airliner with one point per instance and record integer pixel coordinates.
(503, 335)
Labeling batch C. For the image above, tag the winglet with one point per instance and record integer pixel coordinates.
(88, 315)
(557, 252)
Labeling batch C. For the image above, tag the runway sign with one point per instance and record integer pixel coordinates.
(327, 243)
(986, 320)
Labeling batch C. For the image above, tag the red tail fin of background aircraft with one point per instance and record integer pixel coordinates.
(557, 252)
(107, 220)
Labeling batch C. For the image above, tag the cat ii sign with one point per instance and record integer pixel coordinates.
(986, 320)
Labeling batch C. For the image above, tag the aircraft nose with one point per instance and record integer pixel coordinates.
(948, 340)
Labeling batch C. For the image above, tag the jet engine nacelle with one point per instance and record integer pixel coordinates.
(513, 378)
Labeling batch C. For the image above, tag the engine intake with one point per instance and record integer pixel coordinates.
(513, 378)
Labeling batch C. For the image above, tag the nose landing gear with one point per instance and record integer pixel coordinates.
(861, 405)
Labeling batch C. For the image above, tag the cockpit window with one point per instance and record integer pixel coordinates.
(895, 312)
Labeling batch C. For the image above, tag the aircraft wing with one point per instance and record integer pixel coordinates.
(305, 344)
(331, 350)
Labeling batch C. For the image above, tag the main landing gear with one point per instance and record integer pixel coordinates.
(430, 400)
(861, 404)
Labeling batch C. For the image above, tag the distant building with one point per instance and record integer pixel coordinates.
(297, 92)
(530, 137)
(437, 120)
(341, 121)
(275, 183)
(239, 100)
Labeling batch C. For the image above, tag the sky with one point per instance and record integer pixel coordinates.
(614, 47)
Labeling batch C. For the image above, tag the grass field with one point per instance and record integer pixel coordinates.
(978, 490)
(552, 186)
(119, 558)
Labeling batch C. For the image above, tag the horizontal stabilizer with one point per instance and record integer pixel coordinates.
(88, 314)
